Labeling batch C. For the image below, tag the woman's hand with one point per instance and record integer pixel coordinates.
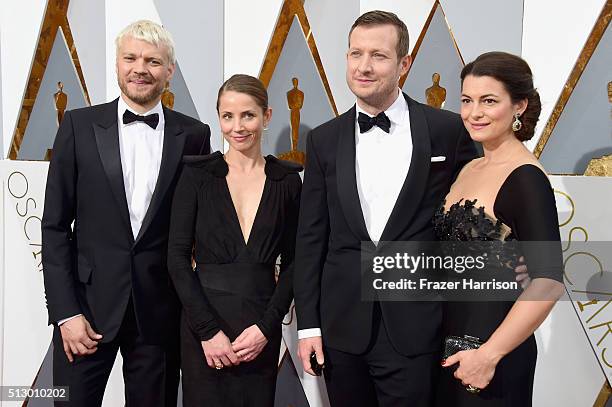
(249, 343)
(218, 351)
(476, 367)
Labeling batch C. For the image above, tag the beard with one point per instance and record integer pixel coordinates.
(376, 97)
(142, 98)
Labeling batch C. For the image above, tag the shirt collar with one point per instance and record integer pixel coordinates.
(122, 107)
(396, 112)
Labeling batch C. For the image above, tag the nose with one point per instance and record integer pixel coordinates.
(364, 64)
(237, 125)
(140, 66)
(476, 111)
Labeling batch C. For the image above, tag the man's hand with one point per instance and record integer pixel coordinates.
(522, 274)
(305, 348)
(78, 337)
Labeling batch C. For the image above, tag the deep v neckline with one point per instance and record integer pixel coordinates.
(246, 240)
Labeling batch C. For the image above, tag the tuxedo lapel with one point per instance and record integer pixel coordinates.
(107, 139)
(346, 178)
(174, 141)
(412, 191)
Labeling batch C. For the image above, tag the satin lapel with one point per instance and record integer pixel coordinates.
(346, 178)
(412, 191)
(174, 141)
(107, 140)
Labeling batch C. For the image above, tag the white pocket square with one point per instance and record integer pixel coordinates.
(438, 159)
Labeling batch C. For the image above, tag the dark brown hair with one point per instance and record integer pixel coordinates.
(514, 73)
(248, 85)
(378, 17)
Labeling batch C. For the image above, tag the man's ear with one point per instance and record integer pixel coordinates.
(171, 69)
(405, 62)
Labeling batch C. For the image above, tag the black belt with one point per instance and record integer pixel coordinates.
(248, 279)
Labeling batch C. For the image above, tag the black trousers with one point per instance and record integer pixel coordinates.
(150, 372)
(381, 376)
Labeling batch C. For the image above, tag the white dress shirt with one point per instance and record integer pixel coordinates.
(140, 148)
(382, 161)
(141, 153)
(381, 165)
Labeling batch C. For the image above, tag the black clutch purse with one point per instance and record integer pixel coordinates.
(454, 344)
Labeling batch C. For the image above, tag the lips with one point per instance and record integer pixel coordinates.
(478, 126)
(140, 81)
(241, 138)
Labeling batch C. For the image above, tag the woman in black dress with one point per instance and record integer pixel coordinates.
(505, 195)
(235, 214)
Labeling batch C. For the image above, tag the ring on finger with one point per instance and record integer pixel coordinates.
(472, 389)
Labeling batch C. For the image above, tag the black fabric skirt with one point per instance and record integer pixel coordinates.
(248, 384)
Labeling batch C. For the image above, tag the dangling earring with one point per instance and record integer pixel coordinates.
(516, 124)
(264, 138)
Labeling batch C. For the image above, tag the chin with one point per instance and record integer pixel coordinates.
(360, 90)
(244, 146)
(484, 137)
(366, 95)
(479, 137)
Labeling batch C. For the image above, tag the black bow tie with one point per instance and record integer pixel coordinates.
(366, 122)
(151, 119)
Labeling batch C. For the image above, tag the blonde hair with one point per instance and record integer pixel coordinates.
(150, 32)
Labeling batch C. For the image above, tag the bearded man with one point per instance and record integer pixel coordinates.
(105, 230)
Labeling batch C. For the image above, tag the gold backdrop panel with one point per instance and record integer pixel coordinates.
(55, 18)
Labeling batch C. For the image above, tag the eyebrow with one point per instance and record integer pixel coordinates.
(133, 54)
(481, 97)
(241, 112)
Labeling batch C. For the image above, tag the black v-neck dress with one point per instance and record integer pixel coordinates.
(233, 285)
(524, 210)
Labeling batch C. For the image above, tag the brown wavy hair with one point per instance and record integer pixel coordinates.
(514, 73)
(248, 85)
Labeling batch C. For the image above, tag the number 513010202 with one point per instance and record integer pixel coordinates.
(18, 393)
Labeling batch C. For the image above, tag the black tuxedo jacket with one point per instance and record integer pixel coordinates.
(93, 266)
(332, 227)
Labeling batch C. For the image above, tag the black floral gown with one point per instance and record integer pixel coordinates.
(233, 285)
(524, 210)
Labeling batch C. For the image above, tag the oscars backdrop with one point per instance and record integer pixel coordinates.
(58, 55)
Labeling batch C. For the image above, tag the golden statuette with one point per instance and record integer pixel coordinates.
(435, 94)
(61, 101)
(167, 97)
(600, 167)
(295, 101)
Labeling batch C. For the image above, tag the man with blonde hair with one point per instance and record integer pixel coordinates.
(105, 230)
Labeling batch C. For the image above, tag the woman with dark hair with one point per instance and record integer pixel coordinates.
(235, 214)
(504, 195)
